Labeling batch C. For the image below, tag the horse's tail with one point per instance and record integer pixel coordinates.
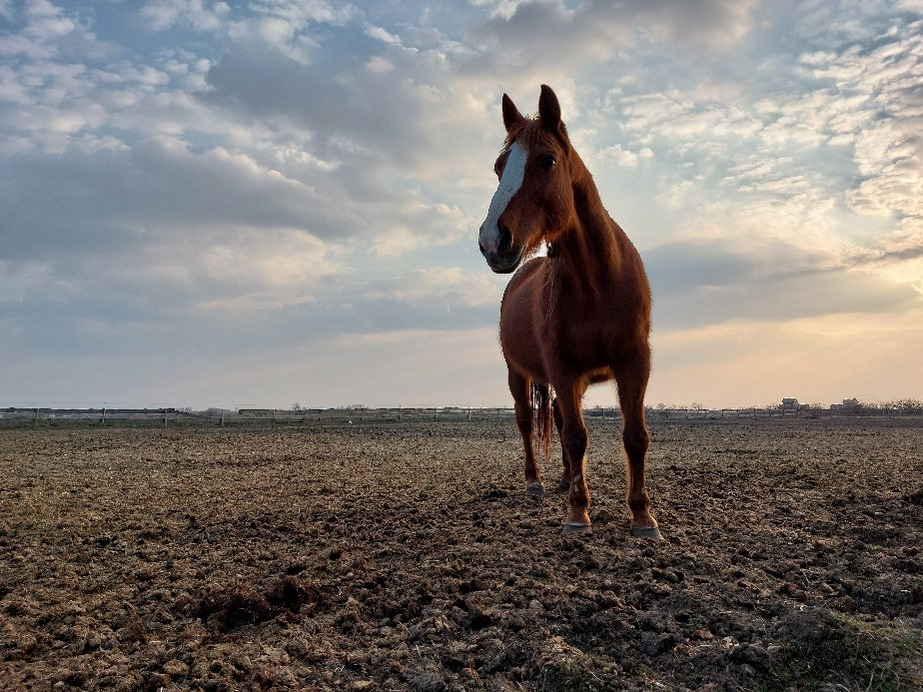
(544, 417)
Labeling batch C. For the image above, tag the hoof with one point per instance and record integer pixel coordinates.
(647, 533)
(563, 485)
(535, 489)
(574, 529)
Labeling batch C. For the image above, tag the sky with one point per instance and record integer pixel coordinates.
(264, 203)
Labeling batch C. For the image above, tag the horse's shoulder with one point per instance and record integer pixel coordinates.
(525, 272)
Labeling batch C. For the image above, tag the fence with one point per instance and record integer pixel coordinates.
(166, 417)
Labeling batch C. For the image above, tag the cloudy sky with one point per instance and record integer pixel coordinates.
(269, 202)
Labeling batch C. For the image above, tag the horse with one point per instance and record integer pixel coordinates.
(576, 316)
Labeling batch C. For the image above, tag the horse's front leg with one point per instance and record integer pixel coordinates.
(631, 377)
(574, 440)
(521, 389)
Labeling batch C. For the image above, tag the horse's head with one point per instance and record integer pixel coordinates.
(535, 199)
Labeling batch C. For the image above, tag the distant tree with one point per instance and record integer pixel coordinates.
(908, 406)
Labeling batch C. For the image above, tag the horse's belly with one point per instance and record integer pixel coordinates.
(592, 348)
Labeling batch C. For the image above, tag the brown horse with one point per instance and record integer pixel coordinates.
(577, 316)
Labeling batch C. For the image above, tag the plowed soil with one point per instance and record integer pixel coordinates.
(405, 556)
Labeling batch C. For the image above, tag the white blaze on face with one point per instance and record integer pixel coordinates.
(510, 182)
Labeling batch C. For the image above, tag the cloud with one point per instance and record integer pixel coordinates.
(444, 286)
(163, 14)
(873, 101)
(715, 282)
(20, 281)
(903, 247)
(47, 32)
(110, 197)
(547, 36)
(625, 157)
(354, 110)
(246, 271)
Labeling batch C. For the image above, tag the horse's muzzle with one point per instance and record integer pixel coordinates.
(503, 257)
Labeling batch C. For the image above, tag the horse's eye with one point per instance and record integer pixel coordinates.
(547, 161)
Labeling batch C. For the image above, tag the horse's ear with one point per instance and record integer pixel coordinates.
(549, 110)
(511, 114)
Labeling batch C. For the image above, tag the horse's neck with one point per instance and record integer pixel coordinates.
(589, 251)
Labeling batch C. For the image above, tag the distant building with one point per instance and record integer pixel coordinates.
(848, 406)
(790, 403)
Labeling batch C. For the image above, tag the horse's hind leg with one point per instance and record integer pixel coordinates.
(564, 484)
(631, 376)
(521, 389)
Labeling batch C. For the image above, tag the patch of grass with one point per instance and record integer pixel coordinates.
(831, 652)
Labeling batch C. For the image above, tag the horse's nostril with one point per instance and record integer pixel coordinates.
(506, 240)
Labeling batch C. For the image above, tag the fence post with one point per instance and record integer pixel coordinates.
(165, 418)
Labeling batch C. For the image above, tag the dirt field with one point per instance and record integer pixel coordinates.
(405, 556)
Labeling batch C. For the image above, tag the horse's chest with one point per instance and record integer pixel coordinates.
(585, 342)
